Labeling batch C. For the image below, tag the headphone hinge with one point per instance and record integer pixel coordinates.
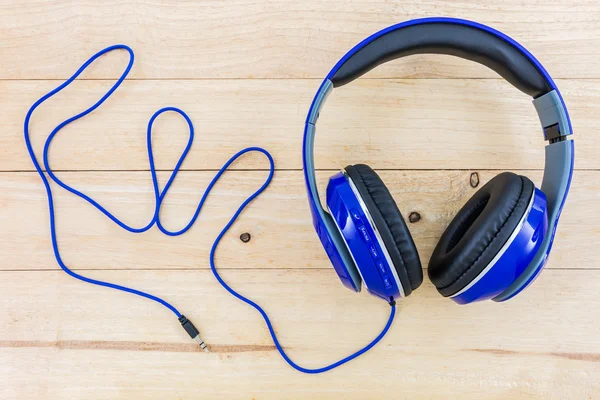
(553, 117)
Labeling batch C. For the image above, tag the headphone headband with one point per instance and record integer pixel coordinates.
(472, 41)
(464, 39)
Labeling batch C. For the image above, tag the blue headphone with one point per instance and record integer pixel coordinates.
(499, 242)
(495, 246)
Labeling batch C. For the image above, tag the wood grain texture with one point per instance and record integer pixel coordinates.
(246, 72)
(279, 221)
(66, 337)
(408, 124)
(279, 39)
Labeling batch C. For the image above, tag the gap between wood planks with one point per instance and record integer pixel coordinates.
(227, 348)
(8, 171)
(389, 78)
(229, 269)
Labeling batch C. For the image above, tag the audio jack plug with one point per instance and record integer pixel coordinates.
(193, 332)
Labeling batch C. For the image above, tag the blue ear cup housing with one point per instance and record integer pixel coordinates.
(374, 232)
(360, 238)
(491, 240)
(390, 224)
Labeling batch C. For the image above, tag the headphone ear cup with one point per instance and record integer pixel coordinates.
(479, 231)
(390, 224)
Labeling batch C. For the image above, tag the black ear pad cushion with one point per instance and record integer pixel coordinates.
(390, 224)
(478, 232)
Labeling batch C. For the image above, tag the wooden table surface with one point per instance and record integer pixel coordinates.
(246, 71)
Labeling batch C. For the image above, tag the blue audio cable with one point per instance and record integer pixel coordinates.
(159, 196)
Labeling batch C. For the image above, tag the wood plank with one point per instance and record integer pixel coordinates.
(255, 39)
(408, 124)
(64, 339)
(279, 221)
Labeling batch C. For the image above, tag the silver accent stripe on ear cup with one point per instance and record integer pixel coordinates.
(502, 250)
(386, 255)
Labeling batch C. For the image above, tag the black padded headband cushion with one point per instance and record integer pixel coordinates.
(390, 224)
(478, 232)
(460, 40)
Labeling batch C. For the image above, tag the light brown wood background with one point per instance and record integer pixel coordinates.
(246, 71)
